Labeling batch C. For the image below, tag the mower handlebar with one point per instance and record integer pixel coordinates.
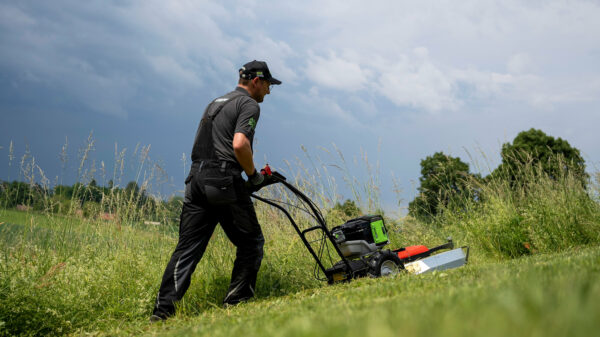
(270, 178)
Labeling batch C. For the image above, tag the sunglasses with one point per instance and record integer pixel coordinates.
(268, 84)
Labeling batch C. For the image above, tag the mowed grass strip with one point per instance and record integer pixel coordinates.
(542, 295)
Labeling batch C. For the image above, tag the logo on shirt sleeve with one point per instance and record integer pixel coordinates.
(252, 123)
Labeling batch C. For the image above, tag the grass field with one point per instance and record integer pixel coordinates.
(546, 295)
(71, 276)
(533, 271)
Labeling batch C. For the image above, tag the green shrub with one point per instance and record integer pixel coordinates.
(541, 214)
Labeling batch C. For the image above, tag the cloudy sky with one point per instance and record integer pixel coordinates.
(397, 80)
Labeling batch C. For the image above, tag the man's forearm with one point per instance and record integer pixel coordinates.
(243, 153)
(244, 157)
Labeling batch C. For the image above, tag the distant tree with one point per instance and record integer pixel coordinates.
(22, 193)
(533, 147)
(444, 182)
(132, 187)
(134, 193)
(93, 192)
(15, 193)
(349, 208)
(64, 191)
(173, 206)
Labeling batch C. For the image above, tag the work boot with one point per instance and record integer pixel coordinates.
(157, 318)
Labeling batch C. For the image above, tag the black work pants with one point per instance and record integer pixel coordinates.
(198, 221)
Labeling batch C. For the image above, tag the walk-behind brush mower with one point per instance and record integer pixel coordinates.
(359, 243)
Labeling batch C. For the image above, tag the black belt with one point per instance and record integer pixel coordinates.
(220, 164)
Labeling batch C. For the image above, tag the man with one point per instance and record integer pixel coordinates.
(216, 193)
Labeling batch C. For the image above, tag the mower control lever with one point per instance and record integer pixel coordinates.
(270, 178)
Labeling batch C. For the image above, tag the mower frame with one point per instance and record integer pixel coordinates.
(345, 269)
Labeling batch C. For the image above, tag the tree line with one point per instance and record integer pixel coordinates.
(446, 181)
(90, 200)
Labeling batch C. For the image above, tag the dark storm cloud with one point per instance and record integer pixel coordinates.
(416, 77)
(94, 54)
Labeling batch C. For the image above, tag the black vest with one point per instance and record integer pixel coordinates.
(204, 149)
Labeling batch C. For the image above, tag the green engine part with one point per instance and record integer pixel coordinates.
(379, 232)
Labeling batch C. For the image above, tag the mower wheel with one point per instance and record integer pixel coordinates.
(386, 264)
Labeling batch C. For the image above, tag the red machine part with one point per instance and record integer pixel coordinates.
(266, 171)
(411, 250)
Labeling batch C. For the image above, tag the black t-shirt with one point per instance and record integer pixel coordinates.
(239, 115)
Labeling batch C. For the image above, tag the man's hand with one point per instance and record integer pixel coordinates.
(266, 177)
(256, 178)
(255, 181)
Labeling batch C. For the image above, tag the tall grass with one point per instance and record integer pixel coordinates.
(115, 199)
(537, 213)
(71, 273)
(65, 268)
(62, 273)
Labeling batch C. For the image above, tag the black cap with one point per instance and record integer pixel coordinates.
(256, 68)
